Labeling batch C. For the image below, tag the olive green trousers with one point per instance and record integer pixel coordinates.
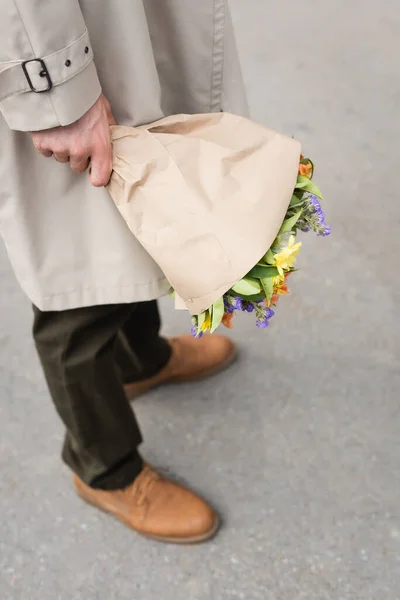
(87, 355)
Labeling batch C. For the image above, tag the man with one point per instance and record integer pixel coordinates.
(69, 69)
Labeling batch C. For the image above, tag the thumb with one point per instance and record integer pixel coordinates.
(111, 119)
(101, 168)
(110, 116)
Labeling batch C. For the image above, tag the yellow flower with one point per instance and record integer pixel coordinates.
(281, 289)
(207, 323)
(285, 259)
(278, 280)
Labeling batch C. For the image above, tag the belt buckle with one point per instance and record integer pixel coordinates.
(43, 73)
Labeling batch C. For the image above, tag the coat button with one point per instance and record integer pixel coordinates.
(68, 63)
(87, 50)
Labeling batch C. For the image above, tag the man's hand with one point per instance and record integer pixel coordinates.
(87, 141)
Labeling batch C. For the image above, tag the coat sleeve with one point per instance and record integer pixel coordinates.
(47, 73)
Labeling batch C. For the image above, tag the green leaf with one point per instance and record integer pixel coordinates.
(247, 287)
(296, 200)
(256, 297)
(269, 257)
(217, 314)
(301, 182)
(308, 186)
(300, 204)
(200, 320)
(263, 272)
(268, 287)
(314, 189)
(252, 298)
(289, 223)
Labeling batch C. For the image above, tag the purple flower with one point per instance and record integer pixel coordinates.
(317, 209)
(262, 324)
(315, 202)
(238, 303)
(229, 307)
(326, 232)
(248, 307)
(314, 217)
(244, 305)
(193, 331)
(263, 319)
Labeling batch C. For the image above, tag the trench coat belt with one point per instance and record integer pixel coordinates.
(40, 74)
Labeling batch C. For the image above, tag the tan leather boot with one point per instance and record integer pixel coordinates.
(156, 508)
(192, 359)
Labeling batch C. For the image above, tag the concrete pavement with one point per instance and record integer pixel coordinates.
(299, 446)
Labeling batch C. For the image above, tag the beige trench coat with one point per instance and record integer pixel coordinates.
(68, 244)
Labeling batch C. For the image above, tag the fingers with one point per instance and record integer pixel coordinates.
(42, 148)
(101, 167)
(79, 164)
(46, 153)
(61, 157)
(83, 142)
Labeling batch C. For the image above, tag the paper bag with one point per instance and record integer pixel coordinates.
(205, 195)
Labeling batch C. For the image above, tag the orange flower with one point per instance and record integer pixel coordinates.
(305, 170)
(227, 320)
(280, 289)
(274, 299)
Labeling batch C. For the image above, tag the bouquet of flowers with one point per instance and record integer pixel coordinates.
(194, 190)
(261, 288)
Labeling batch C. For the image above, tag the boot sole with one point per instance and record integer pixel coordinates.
(196, 539)
(136, 390)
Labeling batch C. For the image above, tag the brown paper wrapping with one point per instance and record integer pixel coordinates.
(205, 195)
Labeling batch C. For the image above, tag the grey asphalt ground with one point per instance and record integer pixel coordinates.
(298, 446)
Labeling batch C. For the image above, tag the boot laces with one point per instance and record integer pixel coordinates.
(143, 484)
